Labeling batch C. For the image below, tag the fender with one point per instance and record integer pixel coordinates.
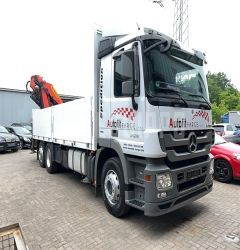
(224, 157)
(115, 146)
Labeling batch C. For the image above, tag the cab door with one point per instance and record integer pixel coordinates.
(127, 109)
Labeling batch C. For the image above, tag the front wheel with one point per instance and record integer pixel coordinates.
(223, 171)
(50, 164)
(112, 184)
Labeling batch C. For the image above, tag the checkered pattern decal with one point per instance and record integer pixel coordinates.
(126, 112)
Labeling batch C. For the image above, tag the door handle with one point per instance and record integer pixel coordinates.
(115, 133)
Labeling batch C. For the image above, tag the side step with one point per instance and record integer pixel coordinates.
(137, 182)
(136, 203)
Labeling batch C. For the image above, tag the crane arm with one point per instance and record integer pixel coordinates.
(44, 94)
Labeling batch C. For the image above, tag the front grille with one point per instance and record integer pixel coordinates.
(186, 179)
(189, 196)
(177, 145)
(191, 183)
(184, 163)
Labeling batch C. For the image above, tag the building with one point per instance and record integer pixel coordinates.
(16, 106)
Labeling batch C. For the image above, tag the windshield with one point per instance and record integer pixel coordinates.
(28, 127)
(21, 130)
(219, 139)
(170, 71)
(3, 130)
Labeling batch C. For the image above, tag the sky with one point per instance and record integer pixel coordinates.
(43, 36)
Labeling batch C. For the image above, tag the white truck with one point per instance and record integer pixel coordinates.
(234, 118)
(142, 137)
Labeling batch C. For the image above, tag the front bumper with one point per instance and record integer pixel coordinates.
(4, 146)
(26, 144)
(189, 184)
(157, 209)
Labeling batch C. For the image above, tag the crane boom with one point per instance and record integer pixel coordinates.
(44, 94)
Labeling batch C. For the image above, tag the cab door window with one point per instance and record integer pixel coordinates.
(123, 71)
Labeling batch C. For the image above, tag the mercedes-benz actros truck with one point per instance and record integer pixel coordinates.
(142, 137)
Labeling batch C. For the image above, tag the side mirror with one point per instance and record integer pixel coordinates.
(127, 88)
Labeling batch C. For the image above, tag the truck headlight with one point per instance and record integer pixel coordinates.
(164, 181)
(211, 169)
(26, 139)
(236, 156)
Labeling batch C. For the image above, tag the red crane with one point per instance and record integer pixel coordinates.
(44, 94)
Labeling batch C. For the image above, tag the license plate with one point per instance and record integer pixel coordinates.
(11, 144)
(193, 174)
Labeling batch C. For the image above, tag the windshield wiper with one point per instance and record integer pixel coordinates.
(206, 101)
(175, 91)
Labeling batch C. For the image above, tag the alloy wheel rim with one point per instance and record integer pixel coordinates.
(112, 187)
(222, 171)
(48, 158)
(40, 154)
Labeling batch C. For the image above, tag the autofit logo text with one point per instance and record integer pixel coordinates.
(182, 123)
(119, 124)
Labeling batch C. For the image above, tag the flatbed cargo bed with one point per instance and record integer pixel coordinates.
(70, 124)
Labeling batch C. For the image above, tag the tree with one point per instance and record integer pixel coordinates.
(218, 111)
(224, 96)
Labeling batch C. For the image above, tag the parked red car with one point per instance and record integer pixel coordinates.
(226, 160)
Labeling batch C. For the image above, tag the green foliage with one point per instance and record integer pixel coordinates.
(224, 96)
(217, 111)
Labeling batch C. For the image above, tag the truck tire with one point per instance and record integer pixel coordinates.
(222, 171)
(51, 166)
(41, 155)
(113, 187)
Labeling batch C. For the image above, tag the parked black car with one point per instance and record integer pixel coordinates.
(23, 124)
(8, 141)
(23, 134)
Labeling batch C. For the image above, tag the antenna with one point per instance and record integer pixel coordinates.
(158, 2)
(181, 21)
(138, 26)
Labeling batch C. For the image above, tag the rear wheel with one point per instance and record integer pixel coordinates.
(113, 187)
(41, 155)
(223, 171)
(51, 166)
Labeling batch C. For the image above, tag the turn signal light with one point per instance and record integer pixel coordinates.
(147, 178)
